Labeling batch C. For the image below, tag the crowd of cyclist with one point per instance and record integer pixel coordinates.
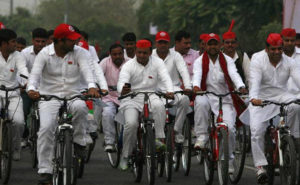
(62, 63)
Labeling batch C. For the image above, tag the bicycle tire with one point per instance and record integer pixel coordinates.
(186, 147)
(69, 175)
(114, 157)
(138, 158)
(89, 151)
(208, 162)
(6, 154)
(269, 150)
(239, 154)
(288, 170)
(177, 156)
(33, 138)
(80, 164)
(223, 161)
(160, 159)
(169, 153)
(149, 143)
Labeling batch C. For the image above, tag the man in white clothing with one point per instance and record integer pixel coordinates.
(129, 40)
(177, 68)
(211, 71)
(143, 73)
(269, 74)
(57, 68)
(11, 64)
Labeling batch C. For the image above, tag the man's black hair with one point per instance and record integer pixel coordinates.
(39, 33)
(85, 35)
(7, 35)
(130, 36)
(182, 34)
(298, 36)
(50, 32)
(115, 46)
(21, 40)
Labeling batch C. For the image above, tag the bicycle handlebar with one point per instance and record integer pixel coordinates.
(3, 88)
(201, 93)
(268, 102)
(49, 97)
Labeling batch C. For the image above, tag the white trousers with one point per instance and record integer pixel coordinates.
(48, 124)
(182, 104)
(131, 115)
(203, 109)
(108, 123)
(15, 113)
(97, 117)
(258, 130)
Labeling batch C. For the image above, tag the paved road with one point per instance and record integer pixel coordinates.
(99, 172)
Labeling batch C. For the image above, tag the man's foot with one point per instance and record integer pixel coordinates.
(17, 155)
(45, 179)
(123, 165)
(231, 167)
(79, 150)
(200, 144)
(109, 148)
(179, 138)
(24, 143)
(160, 146)
(261, 175)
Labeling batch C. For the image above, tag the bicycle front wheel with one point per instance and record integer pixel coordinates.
(186, 147)
(288, 169)
(169, 152)
(33, 138)
(114, 156)
(223, 158)
(69, 166)
(239, 154)
(149, 145)
(6, 151)
(209, 162)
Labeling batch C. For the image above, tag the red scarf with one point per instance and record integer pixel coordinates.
(238, 103)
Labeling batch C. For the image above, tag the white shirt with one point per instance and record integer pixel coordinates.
(268, 81)
(29, 56)
(93, 53)
(292, 87)
(60, 76)
(126, 56)
(215, 80)
(177, 68)
(9, 69)
(145, 78)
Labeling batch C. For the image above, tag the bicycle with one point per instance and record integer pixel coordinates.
(279, 147)
(65, 162)
(216, 154)
(6, 150)
(145, 147)
(34, 128)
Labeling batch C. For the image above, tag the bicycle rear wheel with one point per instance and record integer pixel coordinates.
(6, 152)
(208, 162)
(223, 160)
(288, 170)
(186, 147)
(149, 145)
(114, 157)
(239, 154)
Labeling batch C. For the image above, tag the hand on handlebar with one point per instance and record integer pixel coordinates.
(196, 89)
(243, 90)
(170, 95)
(125, 90)
(33, 94)
(256, 102)
(93, 93)
(188, 92)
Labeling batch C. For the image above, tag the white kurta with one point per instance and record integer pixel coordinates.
(292, 87)
(142, 78)
(177, 68)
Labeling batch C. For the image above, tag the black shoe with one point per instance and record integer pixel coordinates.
(45, 179)
(79, 150)
(94, 135)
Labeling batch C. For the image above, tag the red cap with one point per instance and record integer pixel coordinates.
(203, 36)
(83, 44)
(212, 36)
(288, 32)
(274, 39)
(162, 35)
(229, 35)
(66, 31)
(1, 26)
(143, 44)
